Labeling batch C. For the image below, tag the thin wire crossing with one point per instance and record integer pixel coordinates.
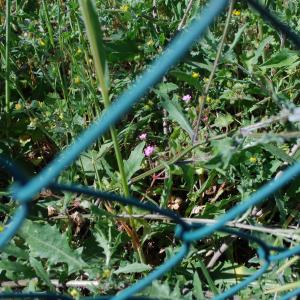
(24, 189)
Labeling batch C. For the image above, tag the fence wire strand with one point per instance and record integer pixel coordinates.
(24, 189)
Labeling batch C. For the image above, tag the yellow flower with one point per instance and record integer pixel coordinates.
(78, 52)
(150, 43)
(74, 293)
(208, 99)
(195, 74)
(106, 273)
(18, 106)
(42, 43)
(77, 80)
(124, 8)
(253, 159)
(236, 12)
(205, 79)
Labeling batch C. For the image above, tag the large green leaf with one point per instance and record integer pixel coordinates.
(47, 241)
(176, 114)
(133, 268)
(278, 153)
(133, 163)
(283, 58)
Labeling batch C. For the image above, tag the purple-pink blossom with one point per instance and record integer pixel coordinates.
(149, 150)
(187, 98)
(143, 136)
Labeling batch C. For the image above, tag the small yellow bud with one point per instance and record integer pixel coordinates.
(78, 52)
(209, 99)
(18, 106)
(253, 159)
(42, 43)
(106, 273)
(195, 74)
(150, 43)
(124, 8)
(77, 80)
(74, 293)
(236, 12)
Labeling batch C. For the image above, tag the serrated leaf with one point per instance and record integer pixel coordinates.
(260, 50)
(236, 39)
(133, 268)
(176, 115)
(167, 87)
(133, 163)
(104, 243)
(278, 153)
(283, 58)
(41, 272)
(47, 241)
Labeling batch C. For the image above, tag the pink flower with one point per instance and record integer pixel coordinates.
(149, 150)
(143, 136)
(186, 98)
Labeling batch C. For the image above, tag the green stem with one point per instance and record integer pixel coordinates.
(48, 23)
(212, 74)
(95, 38)
(7, 50)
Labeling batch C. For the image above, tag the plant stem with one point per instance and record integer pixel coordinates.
(95, 38)
(7, 50)
(212, 74)
(48, 23)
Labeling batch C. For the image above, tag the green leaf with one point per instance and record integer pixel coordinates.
(278, 153)
(176, 114)
(104, 243)
(166, 88)
(133, 163)
(41, 272)
(236, 39)
(47, 241)
(133, 268)
(223, 121)
(182, 76)
(283, 58)
(121, 50)
(260, 50)
(198, 292)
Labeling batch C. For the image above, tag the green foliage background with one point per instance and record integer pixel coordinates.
(55, 96)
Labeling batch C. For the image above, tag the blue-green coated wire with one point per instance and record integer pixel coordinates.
(256, 198)
(291, 294)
